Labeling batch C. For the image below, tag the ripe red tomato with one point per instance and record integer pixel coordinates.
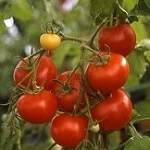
(110, 76)
(68, 97)
(50, 41)
(120, 39)
(37, 108)
(46, 71)
(68, 131)
(114, 112)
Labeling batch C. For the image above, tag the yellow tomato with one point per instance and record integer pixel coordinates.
(50, 41)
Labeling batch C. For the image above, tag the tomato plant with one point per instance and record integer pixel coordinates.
(114, 112)
(50, 41)
(120, 39)
(109, 76)
(37, 108)
(68, 130)
(44, 73)
(68, 92)
(86, 82)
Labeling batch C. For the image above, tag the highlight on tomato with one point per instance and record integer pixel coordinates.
(45, 72)
(113, 112)
(120, 38)
(50, 41)
(68, 130)
(37, 108)
(109, 76)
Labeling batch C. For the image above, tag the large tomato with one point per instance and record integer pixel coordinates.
(69, 95)
(37, 108)
(46, 71)
(108, 77)
(120, 39)
(114, 112)
(68, 131)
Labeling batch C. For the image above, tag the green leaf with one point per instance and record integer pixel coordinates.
(121, 12)
(141, 31)
(144, 45)
(137, 63)
(143, 108)
(132, 18)
(102, 8)
(129, 5)
(132, 83)
(113, 139)
(21, 9)
(138, 143)
(147, 2)
(142, 8)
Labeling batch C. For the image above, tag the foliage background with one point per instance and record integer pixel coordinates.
(28, 20)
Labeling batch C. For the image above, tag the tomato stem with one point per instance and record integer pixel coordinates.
(70, 38)
(52, 146)
(72, 73)
(140, 120)
(92, 38)
(133, 130)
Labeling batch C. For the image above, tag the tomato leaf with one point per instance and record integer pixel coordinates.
(121, 12)
(22, 10)
(132, 18)
(137, 67)
(147, 2)
(98, 8)
(138, 143)
(113, 139)
(142, 8)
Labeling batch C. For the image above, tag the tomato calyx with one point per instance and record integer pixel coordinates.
(100, 59)
(65, 87)
(53, 27)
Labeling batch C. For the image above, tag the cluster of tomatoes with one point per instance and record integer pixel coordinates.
(74, 102)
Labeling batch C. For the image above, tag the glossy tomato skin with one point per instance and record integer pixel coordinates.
(68, 131)
(120, 39)
(67, 100)
(37, 108)
(114, 112)
(110, 76)
(46, 71)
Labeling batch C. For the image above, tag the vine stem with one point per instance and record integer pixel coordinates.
(90, 42)
(73, 71)
(121, 2)
(135, 132)
(140, 120)
(70, 38)
(18, 140)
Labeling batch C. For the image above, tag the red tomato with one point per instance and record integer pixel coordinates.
(37, 108)
(120, 39)
(110, 76)
(68, 97)
(46, 71)
(114, 112)
(68, 131)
